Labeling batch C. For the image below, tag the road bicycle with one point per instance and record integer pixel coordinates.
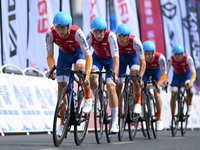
(73, 109)
(126, 104)
(179, 110)
(101, 116)
(149, 117)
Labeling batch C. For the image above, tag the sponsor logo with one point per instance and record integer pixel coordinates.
(12, 30)
(169, 10)
(84, 41)
(115, 44)
(104, 43)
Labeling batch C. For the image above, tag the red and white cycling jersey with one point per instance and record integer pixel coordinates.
(134, 45)
(159, 61)
(183, 66)
(106, 48)
(74, 41)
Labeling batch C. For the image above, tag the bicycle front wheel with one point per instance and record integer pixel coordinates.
(98, 116)
(61, 104)
(175, 116)
(132, 118)
(147, 116)
(153, 116)
(184, 120)
(81, 126)
(123, 110)
(107, 118)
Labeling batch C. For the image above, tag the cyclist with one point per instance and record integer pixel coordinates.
(130, 49)
(183, 71)
(73, 48)
(157, 70)
(106, 54)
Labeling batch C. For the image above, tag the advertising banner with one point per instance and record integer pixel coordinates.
(92, 9)
(41, 16)
(151, 23)
(194, 33)
(126, 13)
(14, 32)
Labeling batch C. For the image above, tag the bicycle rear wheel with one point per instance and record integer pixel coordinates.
(175, 116)
(81, 126)
(132, 118)
(107, 118)
(123, 110)
(64, 97)
(98, 116)
(184, 120)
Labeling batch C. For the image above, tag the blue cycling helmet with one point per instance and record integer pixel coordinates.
(62, 18)
(123, 29)
(178, 49)
(149, 46)
(98, 23)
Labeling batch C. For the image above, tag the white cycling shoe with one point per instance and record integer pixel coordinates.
(59, 131)
(115, 128)
(87, 105)
(137, 109)
(160, 125)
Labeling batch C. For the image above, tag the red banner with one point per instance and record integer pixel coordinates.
(151, 23)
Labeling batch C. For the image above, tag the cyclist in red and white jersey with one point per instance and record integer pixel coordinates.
(106, 54)
(183, 71)
(73, 49)
(130, 49)
(156, 68)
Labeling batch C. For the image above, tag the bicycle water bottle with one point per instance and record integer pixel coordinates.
(75, 100)
(151, 105)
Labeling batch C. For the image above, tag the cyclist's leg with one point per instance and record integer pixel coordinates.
(134, 66)
(112, 95)
(189, 91)
(80, 64)
(176, 79)
(122, 70)
(97, 66)
(156, 76)
(62, 79)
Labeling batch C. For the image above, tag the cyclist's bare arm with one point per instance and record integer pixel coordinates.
(50, 52)
(163, 69)
(190, 62)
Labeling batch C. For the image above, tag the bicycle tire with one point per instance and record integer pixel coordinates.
(123, 110)
(56, 139)
(80, 128)
(175, 116)
(147, 116)
(98, 116)
(132, 118)
(184, 120)
(142, 119)
(107, 118)
(154, 117)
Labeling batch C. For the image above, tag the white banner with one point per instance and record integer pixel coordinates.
(14, 31)
(66, 6)
(41, 17)
(185, 27)
(173, 29)
(91, 9)
(126, 12)
(26, 103)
